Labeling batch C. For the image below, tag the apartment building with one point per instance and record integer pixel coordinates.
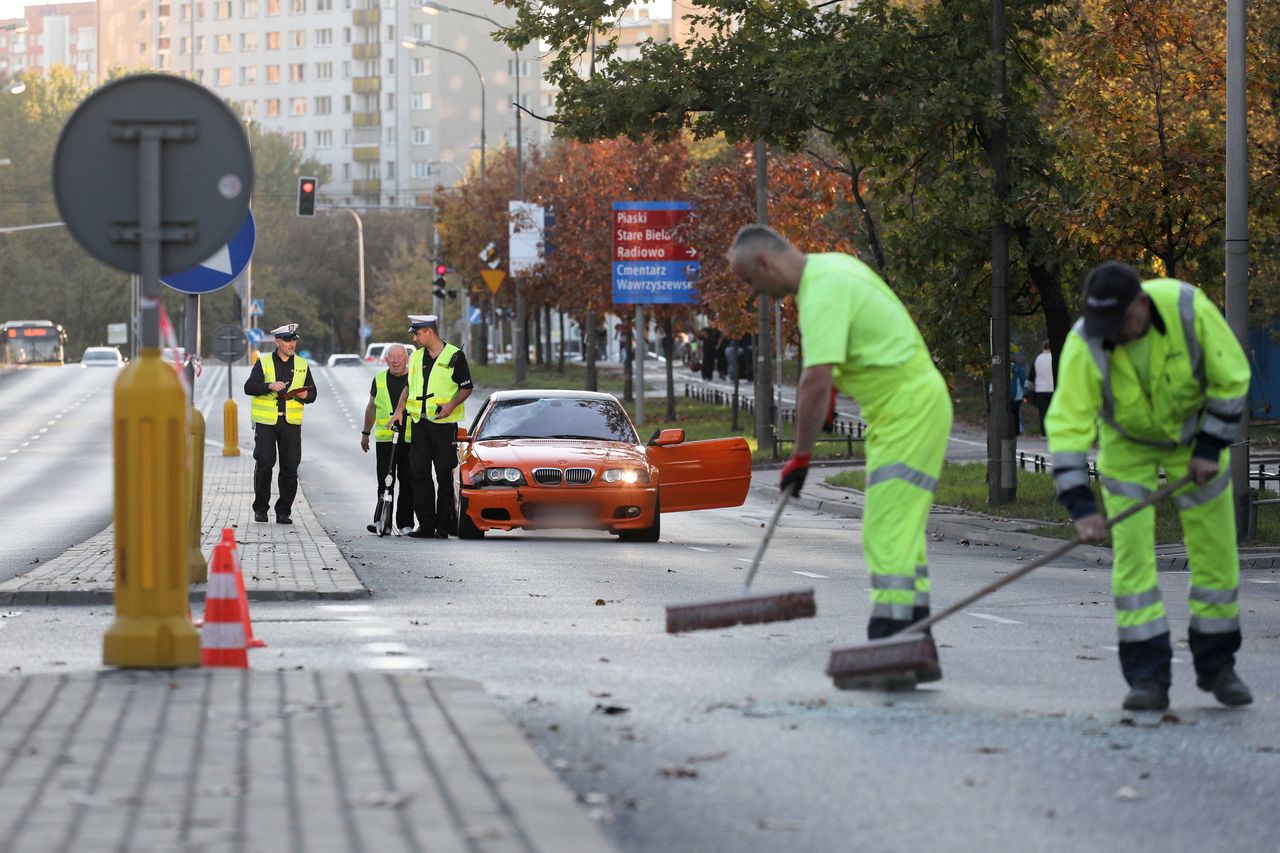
(57, 34)
(390, 121)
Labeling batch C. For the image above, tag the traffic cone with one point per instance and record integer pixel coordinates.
(229, 539)
(222, 640)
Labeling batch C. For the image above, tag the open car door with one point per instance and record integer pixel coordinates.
(702, 474)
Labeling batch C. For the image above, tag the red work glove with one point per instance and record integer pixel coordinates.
(794, 472)
(829, 424)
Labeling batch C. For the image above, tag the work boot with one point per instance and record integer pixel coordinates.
(282, 519)
(260, 516)
(1226, 687)
(1147, 696)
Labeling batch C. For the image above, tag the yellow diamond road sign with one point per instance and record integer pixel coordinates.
(493, 278)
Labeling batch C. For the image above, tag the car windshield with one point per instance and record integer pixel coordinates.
(346, 361)
(557, 417)
(99, 356)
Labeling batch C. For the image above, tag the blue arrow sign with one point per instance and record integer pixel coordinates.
(222, 268)
(258, 308)
(255, 335)
(474, 317)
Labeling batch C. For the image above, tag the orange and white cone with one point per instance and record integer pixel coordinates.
(229, 539)
(222, 640)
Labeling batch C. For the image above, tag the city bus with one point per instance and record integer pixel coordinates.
(30, 342)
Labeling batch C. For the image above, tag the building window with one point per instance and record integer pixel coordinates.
(298, 140)
(222, 10)
(391, 32)
(273, 107)
(184, 45)
(346, 35)
(296, 72)
(184, 13)
(390, 133)
(420, 101)
(273, 8)
(346, 69)
(324, 5)
(297, 38)
(223, 77)
(391, 68)
(391, 102)
(297, 7)
(273, 73)
(346, 103)
(523, 69)
(298, 107)
(199, 44)
(248, 41)
(422, 136)
(422, 31)
(324, 70)
(273, 41)
(324, 138)
(324, 105)
(222, 43)
(248, 8)
(324, 37)
(248, 108)
(142, 16)
(422, 169)
(421, 66)
(346, 139)
(391, 170)
(248, 75)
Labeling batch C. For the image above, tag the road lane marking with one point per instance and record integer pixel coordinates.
(396, 663)
(990, 618)
(374, 631)
(810, 575)
(345, 608)
(386, 648)
(696, 548)
(1256, 580)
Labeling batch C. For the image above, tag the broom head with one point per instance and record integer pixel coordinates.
(744, 610)
(886, 664)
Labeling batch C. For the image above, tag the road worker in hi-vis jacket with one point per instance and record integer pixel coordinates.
(1153, 373)
(280, 384)
(859, 338)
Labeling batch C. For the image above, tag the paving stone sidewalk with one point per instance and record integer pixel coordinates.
(281, 562)
(236, 760)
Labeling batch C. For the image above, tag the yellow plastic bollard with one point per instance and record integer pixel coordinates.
(149, 437)
(230, 429)
(197, 567)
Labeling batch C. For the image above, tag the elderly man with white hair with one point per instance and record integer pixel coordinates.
(388, 385)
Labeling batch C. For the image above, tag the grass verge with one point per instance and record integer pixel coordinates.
(965, 486)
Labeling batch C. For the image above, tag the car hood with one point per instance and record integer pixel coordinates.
(531, 453)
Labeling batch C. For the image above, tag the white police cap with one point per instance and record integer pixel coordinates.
(288, 330)
(422, 321)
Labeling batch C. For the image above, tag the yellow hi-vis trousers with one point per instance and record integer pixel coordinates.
(906, 443)
(1207, 514)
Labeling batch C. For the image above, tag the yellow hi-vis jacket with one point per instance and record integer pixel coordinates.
(1198, 383)
(383, 408)
(439, 386)
(264, 410)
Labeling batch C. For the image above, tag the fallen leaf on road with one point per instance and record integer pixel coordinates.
(536, 594)
(991, 750)
(612, 710)
(1127, 793)
(599, 602)
(779, 825)
(964, 542)
(603, 694)
(385, 799)
(679, 772)
(707, 756)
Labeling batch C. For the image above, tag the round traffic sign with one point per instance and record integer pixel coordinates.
(206, 171)
(223, 267)
(229, 343)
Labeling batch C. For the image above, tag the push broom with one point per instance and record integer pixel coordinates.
(746, 609)
(895, 662)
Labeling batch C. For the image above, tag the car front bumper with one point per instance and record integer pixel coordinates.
(590, 508)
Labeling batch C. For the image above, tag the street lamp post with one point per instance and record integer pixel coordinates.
(364, 339)
(413, 43)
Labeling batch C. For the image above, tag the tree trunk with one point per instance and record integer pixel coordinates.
(668, 351)
(589, 342)
(546, 325)
(560, 359)
(628, 361)
(1046, 279)
(538, 355)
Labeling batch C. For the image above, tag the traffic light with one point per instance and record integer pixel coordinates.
(306, 196)
(438, 287)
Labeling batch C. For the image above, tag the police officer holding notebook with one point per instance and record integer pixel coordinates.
(279, 384)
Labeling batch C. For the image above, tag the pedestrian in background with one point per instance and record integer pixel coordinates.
(439, 383)
(388, 386)
(279, 384)
(858, 335)
(710, 348)
(1017, 392)
(1041, 380)
(1155, 375)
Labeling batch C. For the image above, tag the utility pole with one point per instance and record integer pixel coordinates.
(765, 438)
(1002, 474)
(1237, 260)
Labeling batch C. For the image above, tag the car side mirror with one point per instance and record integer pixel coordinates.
(667, 437)
(462, 434)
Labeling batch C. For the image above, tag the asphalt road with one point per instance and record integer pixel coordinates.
(734, 740)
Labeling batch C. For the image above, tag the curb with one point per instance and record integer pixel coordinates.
(33, 598)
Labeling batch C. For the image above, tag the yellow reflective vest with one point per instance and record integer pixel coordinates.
(264, 409)
(1197, 382)
(384, 407)
(439, 386)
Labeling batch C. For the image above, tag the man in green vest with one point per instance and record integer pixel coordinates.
(439, 383)
(1153, 375)
(388, 386)
(279, 384)
(858, 336)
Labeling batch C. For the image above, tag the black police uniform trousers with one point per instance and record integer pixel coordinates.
(434, 448)
(404, 480)
(280, 440)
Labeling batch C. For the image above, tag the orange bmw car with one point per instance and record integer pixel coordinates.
(572, 459)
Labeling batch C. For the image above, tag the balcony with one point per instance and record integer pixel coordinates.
(366, 85)
(369, 50)
(370, 187)
(366, 119)
(366, 17)
(365, 153)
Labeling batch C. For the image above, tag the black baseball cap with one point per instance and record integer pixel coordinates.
(1108, 292)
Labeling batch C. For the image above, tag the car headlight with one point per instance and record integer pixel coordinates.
(627, 476)
(498, 477)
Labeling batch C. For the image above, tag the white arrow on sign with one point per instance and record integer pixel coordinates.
(220, 261)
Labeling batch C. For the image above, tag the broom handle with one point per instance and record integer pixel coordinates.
(1145, 503)
(764, 542)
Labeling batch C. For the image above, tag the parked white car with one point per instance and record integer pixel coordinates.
(344, 359)
(377, 353)
(102, 357)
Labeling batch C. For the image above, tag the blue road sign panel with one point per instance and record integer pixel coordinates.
(224, 267)
(474, 316)
(258, 307)
(255, 335)
(650, 264)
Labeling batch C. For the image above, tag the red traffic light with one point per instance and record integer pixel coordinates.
(307, 186)
(441, 269)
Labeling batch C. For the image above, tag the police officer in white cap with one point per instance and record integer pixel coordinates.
(279, 384)
(439, 382)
